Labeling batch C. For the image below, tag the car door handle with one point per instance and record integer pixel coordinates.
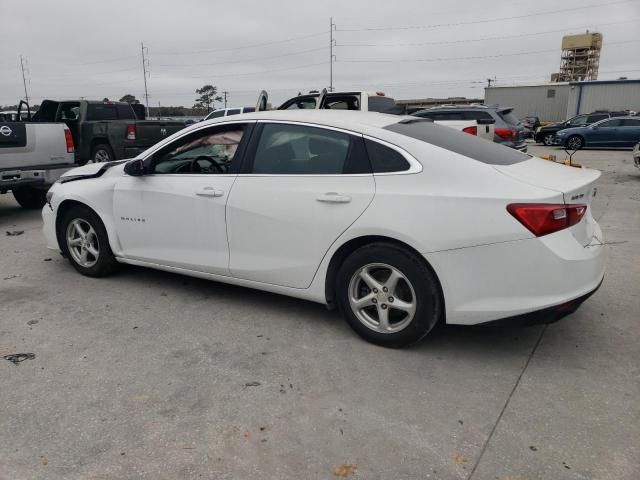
(333, 197)
(209, 192)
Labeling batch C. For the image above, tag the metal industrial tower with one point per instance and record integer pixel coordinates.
(580, 57)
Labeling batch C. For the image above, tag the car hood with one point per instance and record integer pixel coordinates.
(92, 170)
(552, 125)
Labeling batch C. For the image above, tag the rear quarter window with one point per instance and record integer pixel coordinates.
(384, 159)
(458, 142)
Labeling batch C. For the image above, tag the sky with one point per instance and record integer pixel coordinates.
(406, 48)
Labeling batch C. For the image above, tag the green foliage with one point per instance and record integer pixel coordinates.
(208, 96)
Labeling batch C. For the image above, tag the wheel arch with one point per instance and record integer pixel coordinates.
(351, 246)
(67, 205)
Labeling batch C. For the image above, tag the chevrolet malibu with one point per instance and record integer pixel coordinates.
(396, 221)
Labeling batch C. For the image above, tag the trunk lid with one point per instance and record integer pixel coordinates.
(577, 186)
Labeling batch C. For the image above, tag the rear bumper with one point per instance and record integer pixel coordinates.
(12, 184)
(517, 278)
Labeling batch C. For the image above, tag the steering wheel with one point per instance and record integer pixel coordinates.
(196, 168)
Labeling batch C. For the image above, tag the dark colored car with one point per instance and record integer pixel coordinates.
(531, 124)
(508, 129)
(103, 130)
(619, 132)
(546, 134)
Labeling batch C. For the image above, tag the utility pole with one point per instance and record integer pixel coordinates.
(145, 72)
(24, 80)
(225, 93)
(332, 57)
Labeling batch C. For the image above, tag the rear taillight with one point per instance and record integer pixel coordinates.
(505, 133)
(545, 218)
(131, 131)
(68, 139)
(471, 130)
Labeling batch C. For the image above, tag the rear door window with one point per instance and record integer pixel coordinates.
(342, 102)
(595, 118)
(631, 122)
(616, 122)
(96, 111)
(233, 111)
(286, 149)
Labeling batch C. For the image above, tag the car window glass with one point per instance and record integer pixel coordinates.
(477, 115)
(631, 122)
(205, 152)
(233, 111)
(616, 122)
(379, 103)
(101, 112)
(300, 150)
(125, 112)
(248, 109)
(216, 114)
(300, 104)
(595, 118)
(384, 159)
(342, 102)
(508, 117)
(579, 120)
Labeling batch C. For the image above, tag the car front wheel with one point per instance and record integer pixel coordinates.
(574, 142)
(388, 295)
(85, 243)
(547, 139)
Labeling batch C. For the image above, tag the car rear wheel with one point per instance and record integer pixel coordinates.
(547, 139)
(85, 243)
(574, 142)
(388, 295)
(101, 153)
(29, 197)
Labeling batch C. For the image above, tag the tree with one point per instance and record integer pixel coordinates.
(129, 99)
(208, 96)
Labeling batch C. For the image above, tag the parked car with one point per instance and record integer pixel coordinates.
(531, 123)
(508, 129)
(103, 131)
(225, 112)
(636, 155)
(32, 157)
(545, 134)
(619, 132)
(399, 222)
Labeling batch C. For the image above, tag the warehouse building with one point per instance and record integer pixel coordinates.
(559, 101)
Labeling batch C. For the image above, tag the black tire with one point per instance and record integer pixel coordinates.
(574, 142)
(105, 263)
(420, 278)
(547, 139)
(102, 153)
(30, 197)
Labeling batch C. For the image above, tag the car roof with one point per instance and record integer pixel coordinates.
(346, 119)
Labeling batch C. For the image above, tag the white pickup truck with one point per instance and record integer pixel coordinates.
(32, 157)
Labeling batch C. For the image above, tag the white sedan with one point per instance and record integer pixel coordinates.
(398, 222)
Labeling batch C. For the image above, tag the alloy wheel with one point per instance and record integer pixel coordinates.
(382, 298)
(82, 243)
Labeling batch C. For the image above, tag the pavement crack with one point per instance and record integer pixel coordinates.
(506, 403)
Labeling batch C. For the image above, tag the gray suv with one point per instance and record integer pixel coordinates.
(509, 131)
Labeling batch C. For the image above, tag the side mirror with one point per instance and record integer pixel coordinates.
(135, 168)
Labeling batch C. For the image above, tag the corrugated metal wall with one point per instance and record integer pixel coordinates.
(604, 96)
(532, 100)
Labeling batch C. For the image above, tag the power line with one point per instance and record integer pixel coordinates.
(480, 39)
(475, 22)
(474, 57)
(258, 72)
(243, 61)
(254, 45)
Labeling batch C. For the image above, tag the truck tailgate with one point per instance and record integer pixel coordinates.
(33, 146)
